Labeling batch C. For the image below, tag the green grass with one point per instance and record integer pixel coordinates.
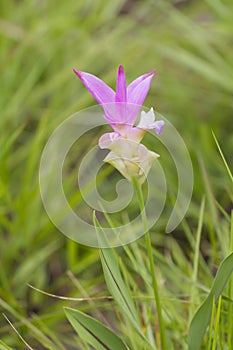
(190, 45)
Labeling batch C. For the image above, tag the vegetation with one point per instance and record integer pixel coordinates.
(190, 45)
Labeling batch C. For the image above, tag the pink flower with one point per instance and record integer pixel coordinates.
(121, 109)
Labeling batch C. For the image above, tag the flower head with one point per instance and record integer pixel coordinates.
(121, 108)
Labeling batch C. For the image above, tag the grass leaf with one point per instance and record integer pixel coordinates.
(3, 346)
(93, 332)
(114, 280)
(202, 317)
(223, 158)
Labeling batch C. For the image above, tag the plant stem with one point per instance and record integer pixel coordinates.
(230, 292)
(138, 189)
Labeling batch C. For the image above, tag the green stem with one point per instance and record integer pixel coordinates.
(230, 292)
(138, 189)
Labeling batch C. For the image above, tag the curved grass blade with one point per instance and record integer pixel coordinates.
(202, 317)
(94, 332)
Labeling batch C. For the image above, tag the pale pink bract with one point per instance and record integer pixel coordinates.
(113, 102)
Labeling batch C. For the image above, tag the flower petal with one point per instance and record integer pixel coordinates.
(97, 87)
(158, 126)
(138, 89)
(120, 114)
(147, 122)
(119, 164)
(146, 160)
(130, 158)
(107, 139)
(121, 85)
(146, 119)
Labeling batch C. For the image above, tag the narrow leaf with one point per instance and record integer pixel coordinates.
(202, 317)
(114, 280)
(3, 346)
(116, 285)
(223, 158)
(94, 332)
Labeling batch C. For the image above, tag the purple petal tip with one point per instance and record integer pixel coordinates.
(153, 72)
(77, 72)
(159, 127)
(121, 69)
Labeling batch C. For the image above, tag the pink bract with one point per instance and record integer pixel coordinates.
(121, 107)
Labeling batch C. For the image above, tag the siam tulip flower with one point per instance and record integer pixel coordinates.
(121, 109)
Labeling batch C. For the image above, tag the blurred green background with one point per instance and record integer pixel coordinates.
(190, 43)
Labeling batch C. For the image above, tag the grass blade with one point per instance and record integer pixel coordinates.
(3, 346)
(223, 158)
(114, 280)
(202, 317)
(94, 332)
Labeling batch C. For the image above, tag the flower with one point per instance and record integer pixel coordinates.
(121, 109)
(130, 158)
